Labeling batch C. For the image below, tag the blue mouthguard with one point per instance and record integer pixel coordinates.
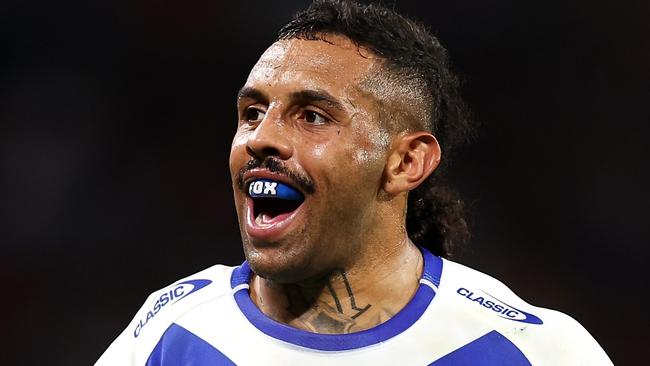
(271, 188)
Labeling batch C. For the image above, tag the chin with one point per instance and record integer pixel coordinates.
(279, 263)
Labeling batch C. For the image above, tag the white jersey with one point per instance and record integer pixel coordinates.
(458, 316)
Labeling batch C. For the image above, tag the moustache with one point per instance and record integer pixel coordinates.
(275, 165)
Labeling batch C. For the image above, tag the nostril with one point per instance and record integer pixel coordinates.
(262, 152)
(270, 151)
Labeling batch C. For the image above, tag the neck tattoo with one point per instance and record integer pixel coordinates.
(339, 316)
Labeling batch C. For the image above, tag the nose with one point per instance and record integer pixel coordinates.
(269, 139)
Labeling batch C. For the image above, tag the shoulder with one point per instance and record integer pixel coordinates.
(547, 336)
(477, 291)
(172, 301)
(162, 308)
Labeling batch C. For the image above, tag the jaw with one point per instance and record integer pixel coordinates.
(289, 260)
(278, 246)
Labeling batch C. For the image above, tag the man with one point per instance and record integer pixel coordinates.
(336, 173)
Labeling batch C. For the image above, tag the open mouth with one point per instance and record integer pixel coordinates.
(272, 201)
(265, 210)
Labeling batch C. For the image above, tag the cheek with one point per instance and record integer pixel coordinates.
(363, 152)
(237, 153)
(351, 169)
(371, 147)
(319, 151)
(367, 152)
(239, 138)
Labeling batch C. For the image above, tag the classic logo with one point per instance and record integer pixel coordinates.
(501, 308)
(175, 294)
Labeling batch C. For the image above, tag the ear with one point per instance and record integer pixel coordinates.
(413, 157)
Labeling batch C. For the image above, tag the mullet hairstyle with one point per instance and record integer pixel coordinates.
(435, 216)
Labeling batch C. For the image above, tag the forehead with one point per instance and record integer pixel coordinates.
(333, 63)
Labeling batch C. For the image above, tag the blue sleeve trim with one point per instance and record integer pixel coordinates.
(179, 346)
(492, 349)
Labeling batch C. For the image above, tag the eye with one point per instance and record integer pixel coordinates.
(253, 114)
(315, 118)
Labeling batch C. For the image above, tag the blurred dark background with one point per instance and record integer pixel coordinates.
(115, 126)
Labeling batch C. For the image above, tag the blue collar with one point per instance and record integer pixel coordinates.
(339, 342)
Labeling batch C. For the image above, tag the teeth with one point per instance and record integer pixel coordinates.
(263, 219)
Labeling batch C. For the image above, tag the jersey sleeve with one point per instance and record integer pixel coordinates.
(161, 309)
(544, 336)
(126, 348)
(573, 344)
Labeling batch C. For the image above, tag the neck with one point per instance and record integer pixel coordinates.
(346, 300)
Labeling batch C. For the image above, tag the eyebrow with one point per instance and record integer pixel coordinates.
(252, 93)
(306, 96)
(311, 96)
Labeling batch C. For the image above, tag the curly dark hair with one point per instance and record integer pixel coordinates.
(412, 55)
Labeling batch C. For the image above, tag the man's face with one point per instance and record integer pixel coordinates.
(305, 121)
